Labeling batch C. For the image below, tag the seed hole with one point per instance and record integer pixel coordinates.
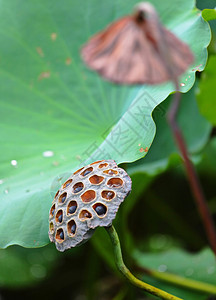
(84, 215)
(78, 187)
(51, 227)
(100, 209)
(95, 179)
(88, 196)
(62, 198)
(59, 216)
(96, 162)
(110, 172)
(103, 165)
(108, 195)
(72, 207)
(71, 227)
(78, 171)
(87, 171)
(67, 183)
(115, 182)
(60, 235)
(52, 210)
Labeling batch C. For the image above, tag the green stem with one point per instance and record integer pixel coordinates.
(124, 270)
(184, 282)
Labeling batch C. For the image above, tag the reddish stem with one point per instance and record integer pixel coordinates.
(193, 179)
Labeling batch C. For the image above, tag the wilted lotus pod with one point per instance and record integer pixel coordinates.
(88, 199)
(137, 49)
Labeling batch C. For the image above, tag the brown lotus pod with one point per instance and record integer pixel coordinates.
(88, 199)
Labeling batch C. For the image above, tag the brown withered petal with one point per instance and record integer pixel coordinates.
(137, 49)
(89, 198)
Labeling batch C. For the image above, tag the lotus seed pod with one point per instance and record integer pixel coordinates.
(88, 199)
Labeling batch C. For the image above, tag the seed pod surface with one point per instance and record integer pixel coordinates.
(88, 199)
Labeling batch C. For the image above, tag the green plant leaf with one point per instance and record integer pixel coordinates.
(199, 267)
(195, 128)
(208, 163)
(21, 267)
(51, 102)
(209, 14)
(207, 90)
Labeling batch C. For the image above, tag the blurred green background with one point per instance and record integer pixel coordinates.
(68, 109)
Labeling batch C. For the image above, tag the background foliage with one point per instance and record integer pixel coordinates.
(50, 102)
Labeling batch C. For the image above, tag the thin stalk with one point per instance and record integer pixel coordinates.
(124, 270)
(181, 281)
(193, 179)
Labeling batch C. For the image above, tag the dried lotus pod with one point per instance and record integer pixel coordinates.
(88, 199)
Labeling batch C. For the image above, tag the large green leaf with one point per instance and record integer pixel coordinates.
(207, 90)
(200, 267)
(21, 267)
(51, 102)
(195, 128)
(208, 163)
(209, 14)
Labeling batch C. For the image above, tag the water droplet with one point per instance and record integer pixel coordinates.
(14, 163)
(48, 153)
(1, 181)
(182, 84)
(162, 268)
